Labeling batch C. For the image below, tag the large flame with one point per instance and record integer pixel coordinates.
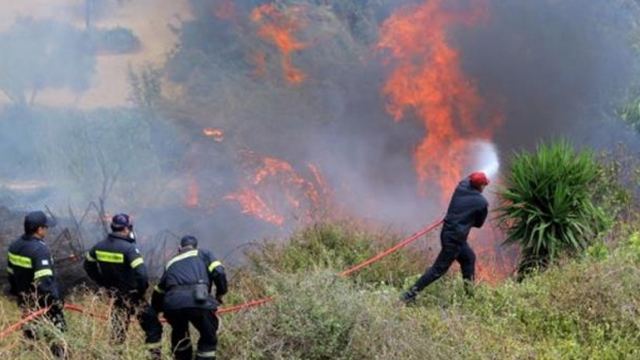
(427, 79)
(275, 192)
(279, 27)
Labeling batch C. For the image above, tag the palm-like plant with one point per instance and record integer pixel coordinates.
(547, 204)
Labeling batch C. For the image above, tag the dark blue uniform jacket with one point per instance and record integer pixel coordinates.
(175, 289)
(467, 209)
(30, 268)
(115, 263)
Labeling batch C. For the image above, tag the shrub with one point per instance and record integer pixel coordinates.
(547, 204)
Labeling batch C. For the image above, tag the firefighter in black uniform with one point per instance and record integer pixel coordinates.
(116, 265)
(467, 209)
(184, 295)
(31, 275)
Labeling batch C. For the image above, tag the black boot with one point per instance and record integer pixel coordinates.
(409, 297)
(155, 353)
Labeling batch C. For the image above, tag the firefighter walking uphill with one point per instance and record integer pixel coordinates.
(116, 265)
(467, 209)
(31, 276)
(184, 295)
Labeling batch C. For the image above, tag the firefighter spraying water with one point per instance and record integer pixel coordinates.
(467, 209)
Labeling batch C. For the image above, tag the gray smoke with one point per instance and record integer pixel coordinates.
(556, 69)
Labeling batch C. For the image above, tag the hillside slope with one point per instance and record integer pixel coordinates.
(586, 308)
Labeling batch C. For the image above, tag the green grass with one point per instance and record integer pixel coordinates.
(579, 309)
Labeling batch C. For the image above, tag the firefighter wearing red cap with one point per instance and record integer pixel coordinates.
(467, 209)
(116, 265)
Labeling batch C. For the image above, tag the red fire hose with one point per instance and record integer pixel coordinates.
(247, 305)
(391, 250)
(23, 321)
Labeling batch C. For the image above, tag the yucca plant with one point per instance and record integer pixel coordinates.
(547, 204)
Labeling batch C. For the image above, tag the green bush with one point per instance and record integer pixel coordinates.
(339, 245)
(547, 204)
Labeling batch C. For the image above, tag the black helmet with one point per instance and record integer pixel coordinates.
(121, 221)
(189, 241)
(36, 219)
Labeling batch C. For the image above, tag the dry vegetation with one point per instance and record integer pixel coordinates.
(585, 308)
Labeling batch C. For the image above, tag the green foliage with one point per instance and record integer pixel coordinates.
(587, 308)
(630, 113)
(619, 177)
(547, 203)
(337, 246)
(146, 87)
(118, 40)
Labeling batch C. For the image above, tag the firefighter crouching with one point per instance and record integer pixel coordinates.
(31, 275)
(184, 295)
(116, 265)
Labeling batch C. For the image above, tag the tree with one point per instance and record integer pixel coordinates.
(43, 54)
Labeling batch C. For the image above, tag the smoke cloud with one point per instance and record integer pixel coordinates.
(552, 68)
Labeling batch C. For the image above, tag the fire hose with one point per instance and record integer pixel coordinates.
(249, 304)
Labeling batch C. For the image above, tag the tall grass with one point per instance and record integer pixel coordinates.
(586, 308)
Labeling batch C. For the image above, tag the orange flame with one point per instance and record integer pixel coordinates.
(253, 204)
(494, 262)
(278, 27)
(193, 199)
(428, 79)
(216, 134)
(275, 191)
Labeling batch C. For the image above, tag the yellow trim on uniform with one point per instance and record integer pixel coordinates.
(90, 258)
(10, 270)
(110, 257)
(154, 345)
(158, 290)
(206, 354)
(214, 265)
(188, 254)
(20, 261)
(42, 273)
(137, 262)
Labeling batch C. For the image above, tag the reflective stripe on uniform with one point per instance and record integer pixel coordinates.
(20, 261)
(157, 289)
(110, 257)
(10, 270)
(188, 254)
(137, 262)
(90, 258)
(214, 265)
(154, 345)
(206, 354)
(42, 273)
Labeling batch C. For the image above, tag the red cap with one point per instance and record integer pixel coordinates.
(478, 179)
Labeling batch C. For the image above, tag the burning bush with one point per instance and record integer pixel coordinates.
(548, 206)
